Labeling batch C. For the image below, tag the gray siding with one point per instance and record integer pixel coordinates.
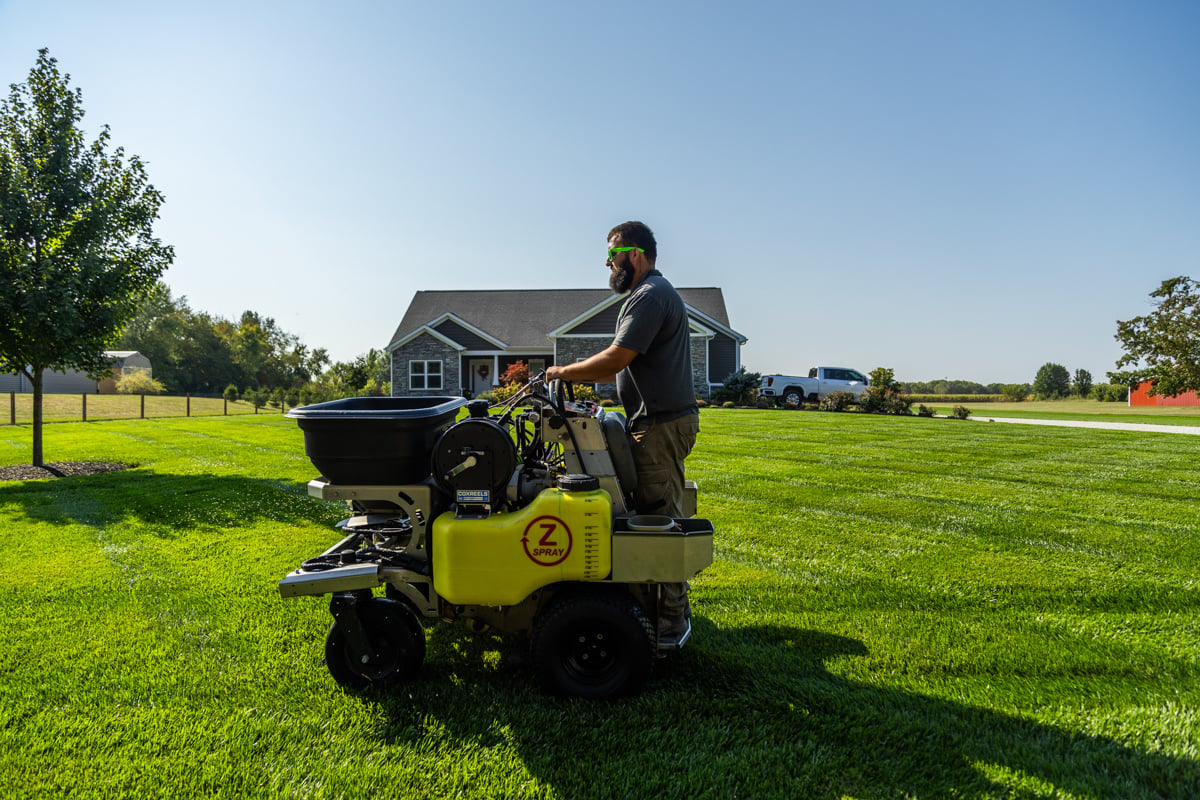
(604, 323)
(722, 358)
(13, 382)
(452, 330)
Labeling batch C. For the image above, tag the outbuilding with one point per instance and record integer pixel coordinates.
(1141, 397)
(122, 362)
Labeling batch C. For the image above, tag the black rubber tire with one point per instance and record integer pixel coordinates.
(594, 645)
(792, 398)
(397, 647)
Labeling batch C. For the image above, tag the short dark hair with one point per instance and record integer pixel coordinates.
(636, 234)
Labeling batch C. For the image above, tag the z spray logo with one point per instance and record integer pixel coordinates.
(547, 541)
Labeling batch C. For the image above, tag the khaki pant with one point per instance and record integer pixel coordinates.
(659, 449)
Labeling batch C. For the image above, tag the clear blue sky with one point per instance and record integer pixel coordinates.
(950, 189)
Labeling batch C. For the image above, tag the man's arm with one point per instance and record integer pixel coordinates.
(600, 368)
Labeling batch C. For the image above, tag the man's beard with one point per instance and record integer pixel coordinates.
(621, 278)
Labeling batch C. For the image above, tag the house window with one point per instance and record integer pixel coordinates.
(425, 374)
(536, 365)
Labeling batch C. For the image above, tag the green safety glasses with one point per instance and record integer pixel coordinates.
(612, 252)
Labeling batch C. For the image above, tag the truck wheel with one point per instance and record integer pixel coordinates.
(395, 644)
(593, 645)
(793, 398)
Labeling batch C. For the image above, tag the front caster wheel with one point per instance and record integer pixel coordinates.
(373, 643)
(594, 645)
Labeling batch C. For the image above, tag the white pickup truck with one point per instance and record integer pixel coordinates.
(789, 390)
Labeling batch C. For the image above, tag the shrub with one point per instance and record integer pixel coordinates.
(257, 397)
(961, 412)
(230, 393)
(729, 404)
(517, 372)
(501, 393)
(1110, 392)
(884, 395)
(884, 379)
(1015, 392)
(888, 401)
(722, 394)
(836, 401)
(741, 386)
(139, 382)
(924, 411)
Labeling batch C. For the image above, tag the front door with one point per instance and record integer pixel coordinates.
(482, 377)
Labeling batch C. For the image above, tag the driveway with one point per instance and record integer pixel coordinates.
(1138, 427)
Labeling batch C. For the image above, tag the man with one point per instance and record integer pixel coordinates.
(651, 359)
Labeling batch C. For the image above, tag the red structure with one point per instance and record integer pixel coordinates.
(1141, 397)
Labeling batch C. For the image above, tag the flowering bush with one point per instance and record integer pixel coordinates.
(139, 382)
(837, 401)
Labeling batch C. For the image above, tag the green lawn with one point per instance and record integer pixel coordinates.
(899, 607)
(1085, 410)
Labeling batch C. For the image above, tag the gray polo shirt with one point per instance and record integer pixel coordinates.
(657, 384)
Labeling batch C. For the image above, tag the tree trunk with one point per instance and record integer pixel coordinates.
(36, 380)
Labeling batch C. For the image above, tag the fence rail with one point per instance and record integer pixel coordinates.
(93, 407)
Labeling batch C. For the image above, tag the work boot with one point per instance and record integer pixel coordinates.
(674, 611)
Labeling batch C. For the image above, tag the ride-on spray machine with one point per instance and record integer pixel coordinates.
(519, 520)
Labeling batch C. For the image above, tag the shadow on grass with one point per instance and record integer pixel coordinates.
(166, 502)
(754, 712)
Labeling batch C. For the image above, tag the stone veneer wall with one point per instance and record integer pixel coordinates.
(425, 348)
(568, 351)
(700, 366)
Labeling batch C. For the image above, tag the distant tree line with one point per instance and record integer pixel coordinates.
(945, 386)
(198, 353)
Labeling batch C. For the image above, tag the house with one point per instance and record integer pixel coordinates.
(1141, 397)
(76, 382)
(460, 342)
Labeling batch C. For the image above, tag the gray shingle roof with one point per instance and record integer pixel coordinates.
(522, 317)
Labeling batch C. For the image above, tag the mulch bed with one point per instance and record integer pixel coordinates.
(58, 469)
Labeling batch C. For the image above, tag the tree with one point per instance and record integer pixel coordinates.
(76, 235)
(1052, 382)
(195, 352)
(1082, 385)
(1015, 392)
(516, 372)
(1164, 345)
(884, 395)
(742, 384)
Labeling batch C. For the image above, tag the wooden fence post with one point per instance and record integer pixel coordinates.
(84, 396)
(12, 408)
(227, 406)
(143, 412)
(189, 405)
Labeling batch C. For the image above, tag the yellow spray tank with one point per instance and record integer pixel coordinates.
(565, 534)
